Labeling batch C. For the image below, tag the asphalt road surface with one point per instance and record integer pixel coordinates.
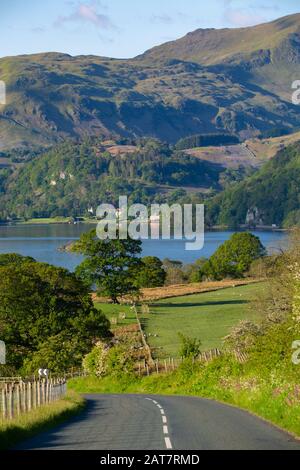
(135, 422)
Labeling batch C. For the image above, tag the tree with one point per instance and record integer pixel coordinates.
(193, 271)
(234, 257)
(151, 272)
(10, 258)
(175, 273)
(109, 264)
(44, 312)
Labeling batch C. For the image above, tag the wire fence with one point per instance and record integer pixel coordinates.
(170, 364)
(19, 395)
(22, 397)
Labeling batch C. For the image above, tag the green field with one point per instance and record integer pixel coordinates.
(113, 311)
(207, 316)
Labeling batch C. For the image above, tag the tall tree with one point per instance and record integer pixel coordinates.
(151, 273)
(38, 303)
(109, 264)
(234, 257)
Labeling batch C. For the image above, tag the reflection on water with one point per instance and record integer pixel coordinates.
(42, 242)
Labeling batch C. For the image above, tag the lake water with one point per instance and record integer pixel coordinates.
(42, 242)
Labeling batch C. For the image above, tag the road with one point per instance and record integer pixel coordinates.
(136, 422)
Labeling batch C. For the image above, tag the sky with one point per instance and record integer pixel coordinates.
(121, 28)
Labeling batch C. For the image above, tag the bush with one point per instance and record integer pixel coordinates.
(190, 347)
(243, 336)
(119, 361)
(95, 362)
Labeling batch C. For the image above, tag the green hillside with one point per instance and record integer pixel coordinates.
(270, 196)
(72, 178)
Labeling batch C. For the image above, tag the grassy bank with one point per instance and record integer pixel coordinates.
(274, 397)
(39, 420)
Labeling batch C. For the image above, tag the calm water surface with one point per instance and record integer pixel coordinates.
(42, 242)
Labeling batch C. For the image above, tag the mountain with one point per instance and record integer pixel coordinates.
(232, 80)
(270, 196)
(220, 46)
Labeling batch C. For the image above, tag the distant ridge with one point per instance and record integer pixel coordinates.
(230, 80)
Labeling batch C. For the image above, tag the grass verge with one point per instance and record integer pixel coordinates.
(39, 420)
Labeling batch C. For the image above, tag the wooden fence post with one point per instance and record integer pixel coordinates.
(43, 392)
(11, 402)
(23, 397)
(47, 391)
(4, 403)
(34, 394)
(51, 390)
(18, 397)
(38, 392)
(29, 397)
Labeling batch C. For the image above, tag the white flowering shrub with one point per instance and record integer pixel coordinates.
(295, 271)
(95, 362)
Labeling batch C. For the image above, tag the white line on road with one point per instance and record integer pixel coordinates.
(168, 443)
(164, 420)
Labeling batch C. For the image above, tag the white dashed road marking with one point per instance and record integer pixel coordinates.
(164, 420)
(168, 443)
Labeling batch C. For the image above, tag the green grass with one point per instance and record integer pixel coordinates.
(112, 311)
(54, 220)
(39, 420)
(208, 316)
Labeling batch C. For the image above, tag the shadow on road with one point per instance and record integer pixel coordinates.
(52, 438)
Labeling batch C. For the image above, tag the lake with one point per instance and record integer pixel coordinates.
(42, 242)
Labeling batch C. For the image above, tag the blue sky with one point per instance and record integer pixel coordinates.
(121, 28)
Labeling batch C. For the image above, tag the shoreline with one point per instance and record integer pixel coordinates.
(215, 228)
